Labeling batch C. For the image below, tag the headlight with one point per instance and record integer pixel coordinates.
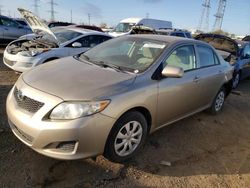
(73, 110)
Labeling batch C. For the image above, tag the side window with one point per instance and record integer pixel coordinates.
(97, 39)
(183, 57)
(246, 51)
(84, 41)
(207, 57)
(92, 40)
(9, 23)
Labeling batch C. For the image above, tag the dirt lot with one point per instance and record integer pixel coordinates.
(204, 151)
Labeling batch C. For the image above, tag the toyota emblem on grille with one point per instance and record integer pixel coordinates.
(20, 95)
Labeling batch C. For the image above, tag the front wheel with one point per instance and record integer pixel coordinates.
(126, 137)
(218, 102)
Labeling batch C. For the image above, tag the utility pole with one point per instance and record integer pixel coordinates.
(147, 15)
(71, 18)
(89, 18)
(52, 10)
(36, 6)
(220, 15)
(204, 16)
(1, 9)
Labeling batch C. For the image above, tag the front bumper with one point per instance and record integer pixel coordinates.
(86, 137)
(18, 62)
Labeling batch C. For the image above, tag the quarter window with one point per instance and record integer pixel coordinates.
(183, 57)
(207, 57)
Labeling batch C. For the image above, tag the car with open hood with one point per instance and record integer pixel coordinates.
(48, 44)
(236, 52)
(115, 94)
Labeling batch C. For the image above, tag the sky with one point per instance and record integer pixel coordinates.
(184, 14)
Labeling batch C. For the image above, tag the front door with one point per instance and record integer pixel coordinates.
(178, 97)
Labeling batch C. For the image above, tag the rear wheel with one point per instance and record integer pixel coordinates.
(218, 102)
(126, 137)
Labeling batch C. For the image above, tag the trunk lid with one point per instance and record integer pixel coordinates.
(220, 42)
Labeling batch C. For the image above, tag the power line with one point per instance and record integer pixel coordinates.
(220, 15)
(204, 20)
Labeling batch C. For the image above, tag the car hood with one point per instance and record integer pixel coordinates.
(36, 24)
(220, 42)
(71, 79)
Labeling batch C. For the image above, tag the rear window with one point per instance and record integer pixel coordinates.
(207, 57)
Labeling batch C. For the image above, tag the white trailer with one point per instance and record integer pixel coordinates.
(124, 26)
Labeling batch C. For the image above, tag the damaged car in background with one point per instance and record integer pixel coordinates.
(236, 52)
(48, 44)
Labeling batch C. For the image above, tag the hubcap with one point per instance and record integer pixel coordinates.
(236, 80)
(219, 101)
(128, 138)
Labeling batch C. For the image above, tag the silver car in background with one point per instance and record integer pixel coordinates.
(108, 99)
(11, 29)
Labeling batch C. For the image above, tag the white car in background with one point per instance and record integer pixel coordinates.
(48, 44)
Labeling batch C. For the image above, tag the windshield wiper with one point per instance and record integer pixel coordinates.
(106, 65)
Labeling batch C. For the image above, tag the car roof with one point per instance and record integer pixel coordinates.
(80, 30)
(168, 39)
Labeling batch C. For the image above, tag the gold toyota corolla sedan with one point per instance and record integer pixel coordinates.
(108, 99)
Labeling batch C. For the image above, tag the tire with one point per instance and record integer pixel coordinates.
(121, 145)
(236, 80)
(218, 102)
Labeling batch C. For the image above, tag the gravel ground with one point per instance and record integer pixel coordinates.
(200, 151)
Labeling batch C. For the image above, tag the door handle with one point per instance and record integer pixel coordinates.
(196, 79)
(6, 29)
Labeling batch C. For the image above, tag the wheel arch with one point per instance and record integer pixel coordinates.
(143, 110)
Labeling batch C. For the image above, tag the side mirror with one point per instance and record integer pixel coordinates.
(172, 72)
(20, 27)
(77, 45)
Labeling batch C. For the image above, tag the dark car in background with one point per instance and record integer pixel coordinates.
(11, 30)
(175, 32)
(56, 24)
(90, 27)
(246, 38)
(236, 52)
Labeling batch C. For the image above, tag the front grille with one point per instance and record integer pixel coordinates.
(10, 63)
(27, 103)
(22, 135)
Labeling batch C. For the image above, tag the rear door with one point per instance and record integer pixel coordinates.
(210, 74)
(179, 97)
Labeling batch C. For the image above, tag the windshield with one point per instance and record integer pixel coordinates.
(127, 53)
(123, 27)
(63, 35)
